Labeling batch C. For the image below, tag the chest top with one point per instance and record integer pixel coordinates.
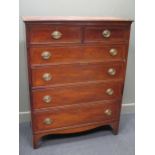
(72, 18)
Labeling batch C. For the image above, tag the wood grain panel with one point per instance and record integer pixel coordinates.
(41, 34)
(94, 34)
(75, 114)
(63, 74)
(76, 94)
(76, 54)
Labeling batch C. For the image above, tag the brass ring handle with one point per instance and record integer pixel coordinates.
(47, 121)
(108, 112)
(111, 71)
(106, 33)
(47, 98)
(113, 52)
(56, 35)
(47, 76)
(109, 91)
(46, 55)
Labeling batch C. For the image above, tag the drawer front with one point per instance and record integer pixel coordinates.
(105, 34)
(76, 94)
(76, 114)
(44, 55)
(50, 34)
(63, 74)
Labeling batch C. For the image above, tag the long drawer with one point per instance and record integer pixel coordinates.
(68, 95)
(50, 55)
(76, 114)
(80, 72)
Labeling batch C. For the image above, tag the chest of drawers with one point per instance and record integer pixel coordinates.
(76, 71)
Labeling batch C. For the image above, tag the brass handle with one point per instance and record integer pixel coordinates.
(110, 91)
(108, 112)
(47, 98)
(111, 71)
(47, 121)
(113, 52)
(46, 55)
(106, 33)
(56, 35)
(47, 76)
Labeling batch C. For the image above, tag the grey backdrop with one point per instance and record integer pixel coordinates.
(117, 8)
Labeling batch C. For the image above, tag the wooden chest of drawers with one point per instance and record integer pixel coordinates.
(76, 70)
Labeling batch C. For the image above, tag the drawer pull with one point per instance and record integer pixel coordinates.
(47, 121)
(47, 98)
(108, 112)
(56, 35)
(106, 33)
(46, 55)
(47, 76)
(113, 52)
(111, 71)
(110, 91)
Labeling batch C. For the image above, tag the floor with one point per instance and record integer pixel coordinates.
(97, 142)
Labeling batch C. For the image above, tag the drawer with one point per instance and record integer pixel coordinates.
(75, 115)
(105, 34)
(68, 95)
(44, 55)
(50, 34)
(63, 74)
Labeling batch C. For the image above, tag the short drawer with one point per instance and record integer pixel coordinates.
(72, 73)
(105, 34)
(68, 95)
(76, 115)
(50, 34)
(44, 55)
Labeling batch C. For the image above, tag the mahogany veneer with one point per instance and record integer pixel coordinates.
(79, 72)
(67, 95)
(76, 70)
(76, 54)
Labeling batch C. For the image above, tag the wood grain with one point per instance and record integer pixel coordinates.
(68, 95)
(41, 34)
(63, 74)
(75, 114)
(94, 34)
(74, 54)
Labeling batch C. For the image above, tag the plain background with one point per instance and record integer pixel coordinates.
(115, 8)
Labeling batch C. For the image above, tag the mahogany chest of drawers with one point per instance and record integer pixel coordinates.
(76, 71)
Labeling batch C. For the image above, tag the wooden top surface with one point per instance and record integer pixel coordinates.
(72, 18)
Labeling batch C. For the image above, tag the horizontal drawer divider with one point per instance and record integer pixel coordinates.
(76, 84)
(76, 62)
(118, 24)
(77, 126)
(83, 45)
(79, 44)
(77, 104)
